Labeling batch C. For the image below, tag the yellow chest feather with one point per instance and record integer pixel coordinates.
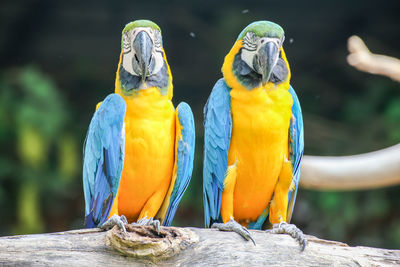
(259, 143)
(149, 150)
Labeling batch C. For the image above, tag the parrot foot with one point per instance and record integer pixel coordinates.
(292, 230)
(144, 221)
(233, 226)
(115, 220)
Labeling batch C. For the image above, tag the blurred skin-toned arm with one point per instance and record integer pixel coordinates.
(356, 172)
(364, 171)
(362, 59)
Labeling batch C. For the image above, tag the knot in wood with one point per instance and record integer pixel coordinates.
(144, 242)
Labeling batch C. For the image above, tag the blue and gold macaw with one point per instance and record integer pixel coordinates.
(138, 153)
(253, 140)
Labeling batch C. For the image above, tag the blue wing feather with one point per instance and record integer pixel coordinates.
(103, 159)
(185, 155)
(217, 137)
(296, 145)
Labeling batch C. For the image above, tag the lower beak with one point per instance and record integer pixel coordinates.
(143, 47)
(265, 60)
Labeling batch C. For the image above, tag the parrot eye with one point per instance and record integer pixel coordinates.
(250, 41)
(126, 41)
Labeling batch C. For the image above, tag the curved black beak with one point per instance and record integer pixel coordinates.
(265, 60)
(143, 46)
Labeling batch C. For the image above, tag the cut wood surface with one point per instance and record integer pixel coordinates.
(213, 248)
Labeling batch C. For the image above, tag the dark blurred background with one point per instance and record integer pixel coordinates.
(58, 60)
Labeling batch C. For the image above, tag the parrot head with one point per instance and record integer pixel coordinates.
(142, 62)
(257, 58)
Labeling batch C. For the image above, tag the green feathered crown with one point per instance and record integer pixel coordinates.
(263, 28)
(139, 23)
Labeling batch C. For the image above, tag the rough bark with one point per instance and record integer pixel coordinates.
(212, 248)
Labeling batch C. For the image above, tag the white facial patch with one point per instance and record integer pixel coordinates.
(252, 44)
(129, 53)
(158, 53)
(248, 56)
(127, 63)
(250, 48)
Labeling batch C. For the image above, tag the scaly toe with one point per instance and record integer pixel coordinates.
(123, 219)
(233, 226)
(292, 230)
(141, 222)
(144, 221)
(115, 220)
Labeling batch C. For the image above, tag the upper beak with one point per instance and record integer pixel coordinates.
(265, 60)
(143, 46)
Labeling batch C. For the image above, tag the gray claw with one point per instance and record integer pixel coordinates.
(233, 226)
(144, 221)
(292, 230)
(115, 220)
(124, 219)
(156, 224)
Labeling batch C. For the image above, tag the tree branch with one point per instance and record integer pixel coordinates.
(90, 248)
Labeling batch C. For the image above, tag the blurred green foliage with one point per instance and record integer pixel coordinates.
(367, 217)
(41, 156)
(58, 60)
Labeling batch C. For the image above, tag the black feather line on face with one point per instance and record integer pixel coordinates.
(246, 76)
(251, 79)
(131, 82)
(280, 72)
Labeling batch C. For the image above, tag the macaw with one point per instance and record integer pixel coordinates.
(253, 140)
(138, 152)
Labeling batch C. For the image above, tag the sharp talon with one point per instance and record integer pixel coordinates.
(123, 227)
(156, 224)
(303, 245)
(251, 238)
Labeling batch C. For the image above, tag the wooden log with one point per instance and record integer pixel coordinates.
(90, 247)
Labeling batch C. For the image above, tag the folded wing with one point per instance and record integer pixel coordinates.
(217, 137)
(296, 148)
(103, 159)
(185, 142)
